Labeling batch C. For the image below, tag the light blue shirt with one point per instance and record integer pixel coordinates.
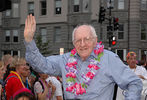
(112, 70)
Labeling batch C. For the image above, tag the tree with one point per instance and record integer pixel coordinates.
(43, 47)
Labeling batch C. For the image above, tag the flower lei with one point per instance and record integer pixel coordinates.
(91, 71)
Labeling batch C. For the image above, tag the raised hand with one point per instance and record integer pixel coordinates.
(30, 27)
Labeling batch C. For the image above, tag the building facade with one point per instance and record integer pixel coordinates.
(56, 20)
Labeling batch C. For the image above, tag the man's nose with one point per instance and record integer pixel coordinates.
(82, 42)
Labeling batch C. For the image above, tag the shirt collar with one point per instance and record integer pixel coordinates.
(92, 55)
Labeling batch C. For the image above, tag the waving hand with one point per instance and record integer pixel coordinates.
(30, 27)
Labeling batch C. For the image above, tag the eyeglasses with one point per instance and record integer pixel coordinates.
(85, 40)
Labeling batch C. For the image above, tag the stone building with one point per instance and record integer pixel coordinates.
(57, 18)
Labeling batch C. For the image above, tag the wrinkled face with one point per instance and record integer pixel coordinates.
(84, 41)
(131, 61)
(2, 72)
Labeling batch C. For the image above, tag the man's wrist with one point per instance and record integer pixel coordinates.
(28, 39)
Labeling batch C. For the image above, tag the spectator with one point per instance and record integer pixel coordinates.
(23, 94)
(143, 63)
(25, 73)
(32, 79)
(2, 71)
(58, 92)
(7, 59)
(88, 72)
(14, 80)
(138, 70)
(42, 89)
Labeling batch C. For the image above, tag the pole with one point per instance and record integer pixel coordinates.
(110, 33)
(110, 20)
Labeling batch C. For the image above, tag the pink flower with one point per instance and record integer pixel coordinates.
(73, 64)
(70, 88)
(75, 85)
(83, 90)
(78, 91)
(95, 67)
(90, 66)
(71, 74)
(73, 51)
(96, 52)
(90, 75)
(101, 49)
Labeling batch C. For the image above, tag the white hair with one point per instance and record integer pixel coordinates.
(91, 28)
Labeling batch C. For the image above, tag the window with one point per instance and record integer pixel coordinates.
(11, 52)
(15, 53)
(7, 38)
(110, 5)
(15, 35)
(143, 4)
(58, 6)
(121, 53)
(76, 5)
(15, 10)
(43, 35)
(143, 54)
(120, 4)
(85, 5)
(6, 52)
(43, 7)
(8, 12)
(57, 34)
(143, 31)
(121, 31)
(31, 8)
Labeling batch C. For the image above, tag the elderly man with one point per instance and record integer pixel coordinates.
(132, 63)
(89, 72)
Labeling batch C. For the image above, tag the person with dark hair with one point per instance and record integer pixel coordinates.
(42, 89)
(89, 72)
(24, 94)
(140, 71)
(143, 63)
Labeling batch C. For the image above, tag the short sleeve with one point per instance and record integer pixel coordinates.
(38, 88)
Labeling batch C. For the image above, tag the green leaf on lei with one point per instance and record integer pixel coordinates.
(84, 85)
(99, 56)
(71, 55)
(70, 80)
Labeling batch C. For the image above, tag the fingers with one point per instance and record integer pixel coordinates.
(30, 20)
(33, 20)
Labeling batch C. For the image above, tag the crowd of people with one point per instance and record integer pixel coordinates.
(88, 72)
(19, 80)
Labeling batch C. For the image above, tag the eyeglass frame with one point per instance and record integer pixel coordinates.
(85, 40)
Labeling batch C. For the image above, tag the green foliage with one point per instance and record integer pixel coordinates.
(43, 47)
